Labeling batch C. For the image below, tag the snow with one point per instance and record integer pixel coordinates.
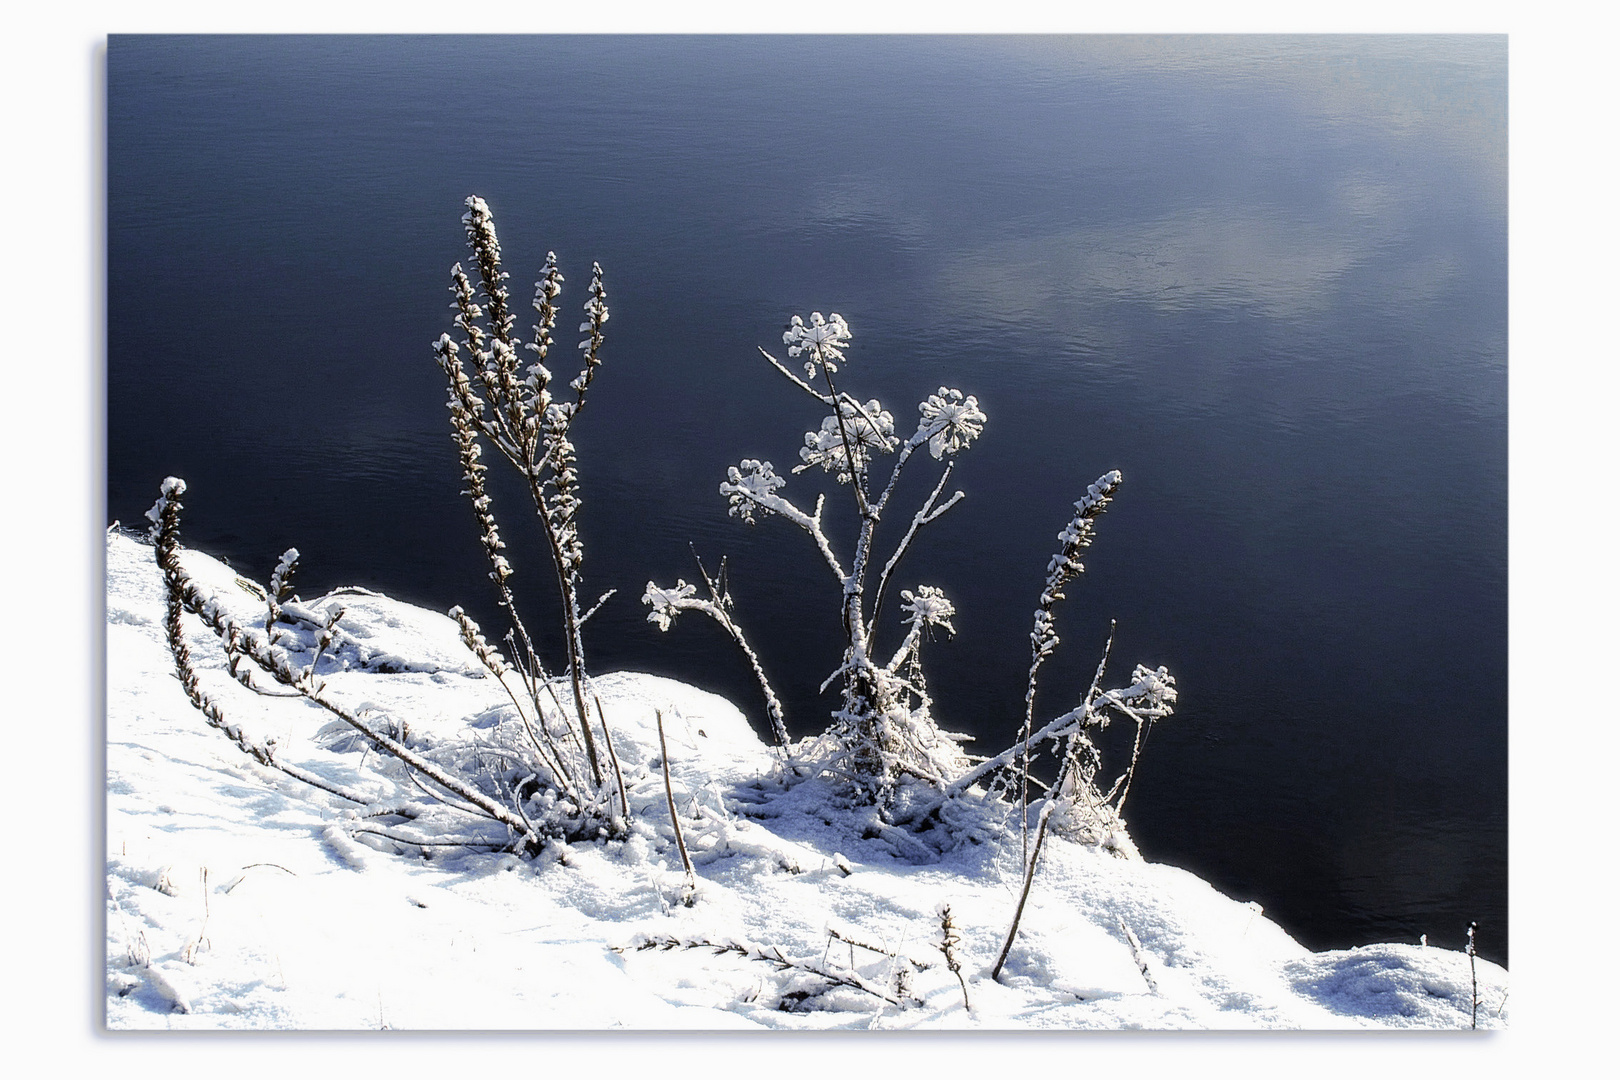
(239, 899)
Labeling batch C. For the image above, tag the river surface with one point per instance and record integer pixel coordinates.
(1266, 278)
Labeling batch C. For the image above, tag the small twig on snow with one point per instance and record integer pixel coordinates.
(689, 894)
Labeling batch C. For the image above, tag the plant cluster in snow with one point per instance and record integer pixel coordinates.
(884, 737)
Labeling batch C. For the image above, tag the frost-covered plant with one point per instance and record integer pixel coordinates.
(884, 733)
(1151, 695)
(508, 403)
(1075, 803)
(666, 604)
(884, 730)
(561, 777)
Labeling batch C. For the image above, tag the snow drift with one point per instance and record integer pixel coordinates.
(238, 898)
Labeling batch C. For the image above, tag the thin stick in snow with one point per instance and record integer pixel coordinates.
(689, 896)
(1137, 954)
(1473, 975)
(949, 939)
(1023, 896)
(200, 941)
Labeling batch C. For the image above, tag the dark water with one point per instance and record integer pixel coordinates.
(1266, 278)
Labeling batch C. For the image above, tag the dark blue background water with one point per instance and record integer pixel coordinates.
(1264, 277)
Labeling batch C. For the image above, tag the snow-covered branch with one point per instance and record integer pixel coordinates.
(925, 514)
(666, 604)
(825, 399)
(751, 486)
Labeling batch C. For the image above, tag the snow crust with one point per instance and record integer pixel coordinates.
(236, 899)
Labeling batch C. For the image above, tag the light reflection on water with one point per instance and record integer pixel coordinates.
(1266, 278)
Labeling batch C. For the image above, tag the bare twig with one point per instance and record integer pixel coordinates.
(690, 894)
(1137, 954)
(1023, 895)
(1473, 975)
(200, 941)
(949, 940)
(666, 604)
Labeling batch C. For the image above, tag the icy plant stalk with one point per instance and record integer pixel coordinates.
(281, 588)
(1064, 567)
(499, 399)
(182, 595)
(1151, 694)
(883, 732)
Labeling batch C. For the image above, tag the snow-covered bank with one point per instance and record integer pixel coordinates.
(236, 898)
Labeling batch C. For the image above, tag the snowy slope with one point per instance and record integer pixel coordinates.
(237, 899)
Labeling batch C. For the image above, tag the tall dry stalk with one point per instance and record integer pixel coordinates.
(495, 400)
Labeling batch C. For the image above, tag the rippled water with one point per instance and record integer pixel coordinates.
(1264, 277)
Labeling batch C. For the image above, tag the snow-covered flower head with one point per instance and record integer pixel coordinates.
(953, 421)
(281, 580)
(928, 607)
(1076, 535)
(596, 310)
(870, 431)
(172, 488)
(1151, 695)
(665, 602)
(749, 484)
(823, 339)
(480, 226)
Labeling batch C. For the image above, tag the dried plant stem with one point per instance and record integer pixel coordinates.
(772, 956)
(1062, 727)
(529, 427)
(674, 816)
(1023, 895)
(835, 934)
(922, 517)
(176, 581)
(719, 609)
(1137, 954)
(184, 592)
(949, 939)
(613, 759)
(1473, 975)
(200, 941)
